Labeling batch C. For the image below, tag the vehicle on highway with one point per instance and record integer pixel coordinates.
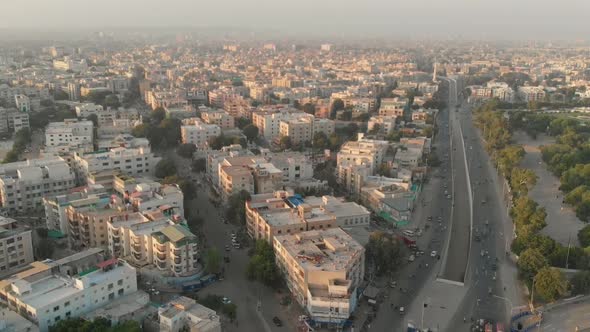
(393, 284)
(411, 258)
(225, 300)
(409, 233)
(237, 246)
(227, 248)
(402, 310)
(277, 321)
(433, 253)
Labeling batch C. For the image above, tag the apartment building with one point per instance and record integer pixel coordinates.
(364, 151)
(392, 106)
(23, 184)
(215, 157)
(23, 103)
(70, 133)
(151, 196)
(11, 120)
(385, 124)
(282, 212)
(269, 121)
(194, 131)
(531, 93)
(152, 238)
(217, 117)
(253, 174)
(16, 246)
(299, 129)
(56, 205)
(52, 291)
(323, 269)
(185, 314)
(295, 166)
(133, 161)
(86, 109)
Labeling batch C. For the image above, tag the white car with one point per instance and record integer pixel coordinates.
(433, 253)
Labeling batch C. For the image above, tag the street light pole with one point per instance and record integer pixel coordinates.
(533, 294)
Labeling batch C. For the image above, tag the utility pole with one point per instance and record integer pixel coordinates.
(567, 257)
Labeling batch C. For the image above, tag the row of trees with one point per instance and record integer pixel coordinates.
(162, 132)
(385, 252)
(537, 253)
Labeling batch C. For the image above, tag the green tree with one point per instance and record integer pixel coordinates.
(140, 130)
(550, 284)
(584, 236)
(309, 108)
(285, 142)
(60, 95)
(242, 122)
(251, 132)
(158, 115)
(530, 262)
(112, 101)
(94, 119)
(581, 282)
(384, 251)
(236, 208)
(337, 105)
(199, 165)
(186, 150)
(320, 141)
(508, 158)
(213, 261)
(165, 168)
(522, 180)
(261, 266)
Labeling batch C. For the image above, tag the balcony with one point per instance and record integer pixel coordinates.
(137, 256)
(177, 261)
(161, 266)
(161, 257)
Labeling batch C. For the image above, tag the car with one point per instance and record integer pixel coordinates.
(393, 284)
(433, 253)
(237, 246)
(402, 310)
(429, 218)
(225, 300)
(277, 321)
(411, 258)
(227, 248)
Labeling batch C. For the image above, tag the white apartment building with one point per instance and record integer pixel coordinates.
(252, 174)
(151, 196)
(531, 93)
(194, 131)
(133, 161)
(46, 294)
(363, 151)
(23, 184)
(323, 269)
(185, 314)
(282, 212)
(218, 117)
(70, 133)
(16, 246)
(23, 103)
(269, 121)
(295, 166)
(154, 239)
(86, 109)
(11, 120)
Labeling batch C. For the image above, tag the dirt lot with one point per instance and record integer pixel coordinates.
(562, 223)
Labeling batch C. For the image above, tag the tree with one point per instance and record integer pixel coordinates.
(60, 95)
(189, 191)
(427, 132)
(10, 157)
(522, 180)
(581, 282)
(550, 284)
(337, 105)
(309, 108)
(584, 236)
(140, 130)
(165, 168)
(236, 207)
(242, 122)
(530, 262)
(199, 165)
(375, 129)
(186, 150)
(508, 158)
(251, 132)
(112, 101)
(213, 261)
(93, 118)
(285, 142)
(384, 251)
(158, 115)
(261, 266)
(100, 324)
(320, 141)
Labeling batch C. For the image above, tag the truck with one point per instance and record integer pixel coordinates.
(408, 242)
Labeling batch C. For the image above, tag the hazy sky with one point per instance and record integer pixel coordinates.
(476, 18)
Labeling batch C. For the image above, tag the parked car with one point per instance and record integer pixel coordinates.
(277, 321)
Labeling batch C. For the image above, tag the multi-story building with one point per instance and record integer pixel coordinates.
(23, 103)
(194, 131)
(531, 93)
(392, 106)
(70, 133)
(56, 205)
(363, 151)
(86, 109)
(385, 124)
(154, 239)
(23, 184)
(133, 161)
(11, 120)
(16, 245)
(52, 291)
(185, 314)
(269, 121)
(151, 196)
(252, 174)
(323, 269)
(295, 166)
(282, 212)
(219, 118)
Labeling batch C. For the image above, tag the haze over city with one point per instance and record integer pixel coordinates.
(498, 19)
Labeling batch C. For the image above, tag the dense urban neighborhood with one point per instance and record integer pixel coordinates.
(190, 183)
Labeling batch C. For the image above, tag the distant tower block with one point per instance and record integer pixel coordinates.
(434, 72)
